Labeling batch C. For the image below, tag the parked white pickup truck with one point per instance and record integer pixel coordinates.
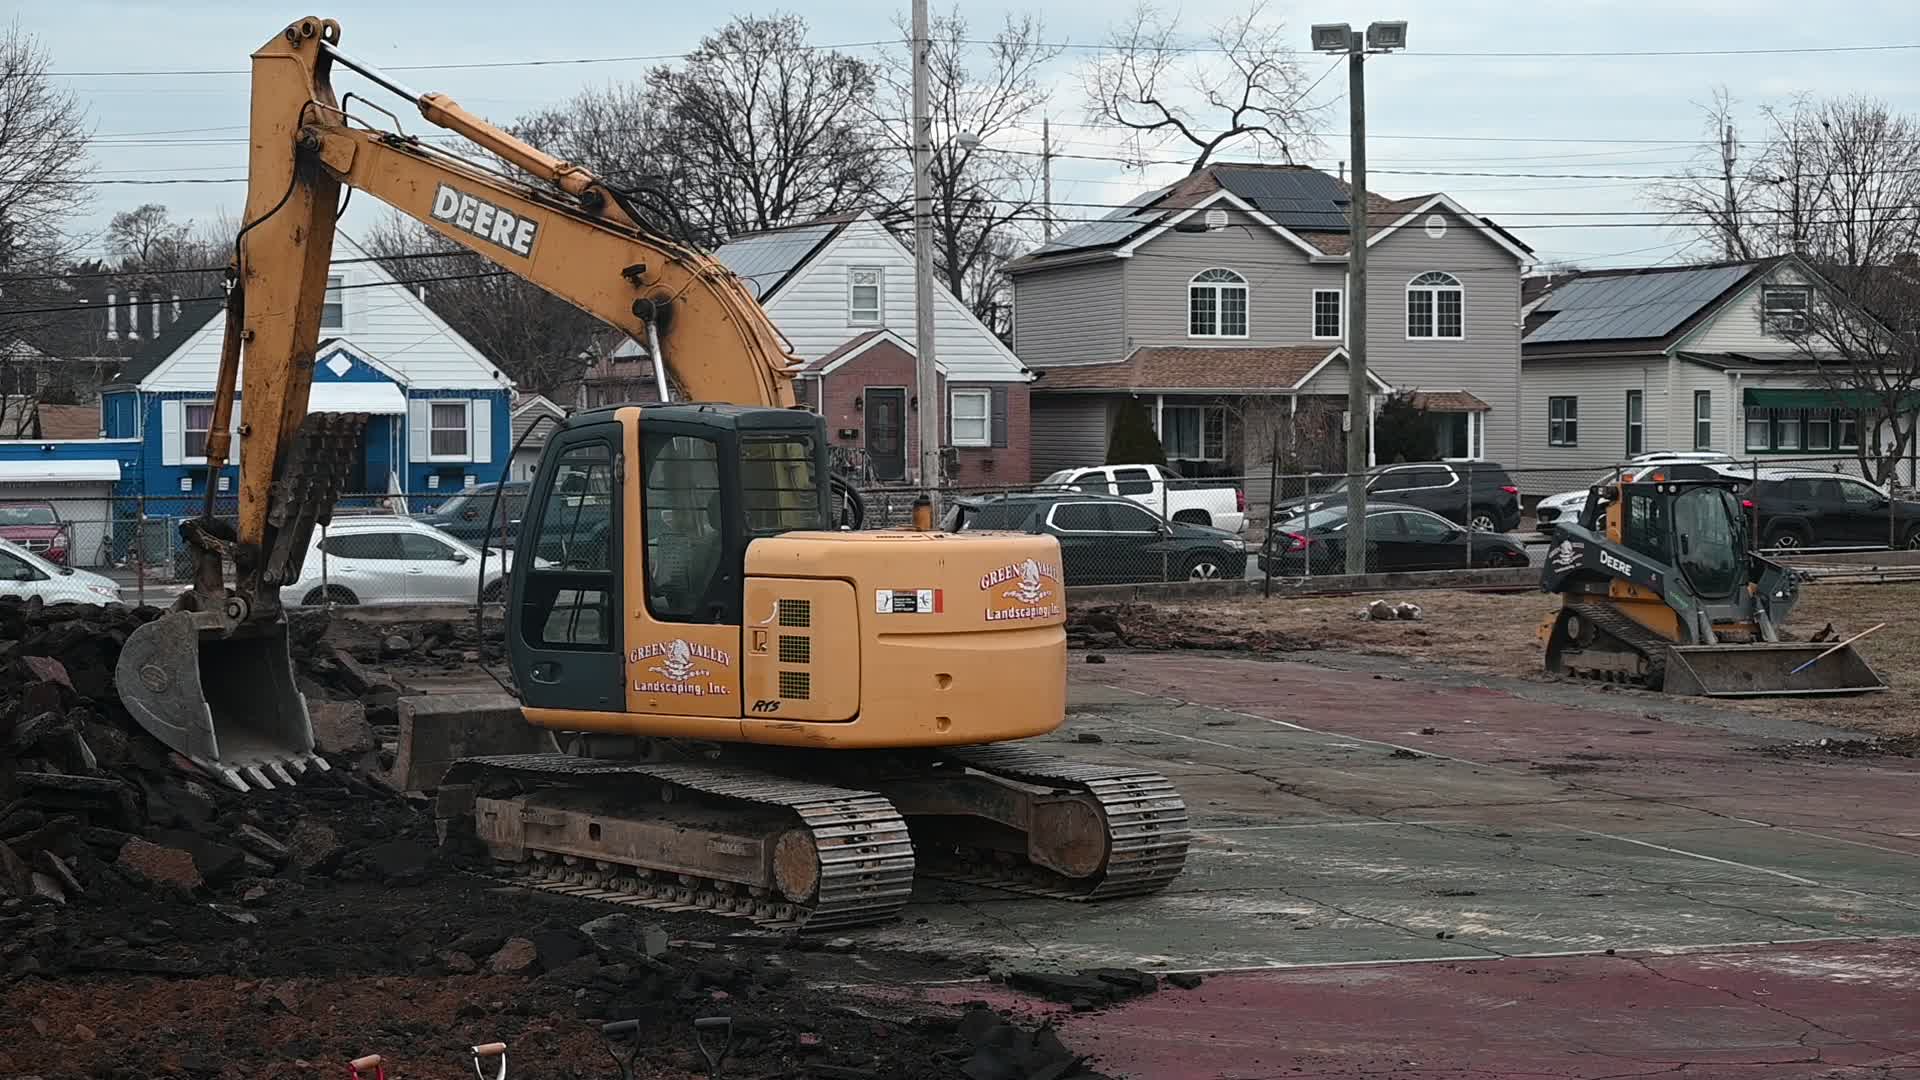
(1167, 493)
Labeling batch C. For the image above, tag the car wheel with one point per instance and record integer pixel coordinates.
(494, 593)
(1205, 568)
(1912, 542)
(1788, 537)
(1483, 520)
(1193, 517)
(332, 594)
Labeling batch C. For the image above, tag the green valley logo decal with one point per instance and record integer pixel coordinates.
(680, 667)
(1029, 589)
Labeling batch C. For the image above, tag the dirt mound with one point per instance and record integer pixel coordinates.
(1144, 626)
(156, 922)
(1893, 746)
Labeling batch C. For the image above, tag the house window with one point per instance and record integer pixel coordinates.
(333, 310)
(1759, 431)
(866, 289)
(1783, 308)
(1217, 304)
(1563, 421)
(447, 435)
(1636, 421)
(1802, 429)
(1703, 419)
(1194, 432)
(971, 423)
(1819, 430)
(1326, 313)
(196, 421)
(1849, 437)
(1436, 306)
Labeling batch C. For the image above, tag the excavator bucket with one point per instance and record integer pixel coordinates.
(1768, 670)
(227, 703)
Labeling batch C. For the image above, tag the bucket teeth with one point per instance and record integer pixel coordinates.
(279, 772)
(259, 777)
(232, 777)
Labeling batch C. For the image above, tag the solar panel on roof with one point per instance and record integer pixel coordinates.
(1095, 234)
(764, 260)
(1294, 198)
(1631, 306)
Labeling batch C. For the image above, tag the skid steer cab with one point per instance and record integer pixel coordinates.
(1660, 588)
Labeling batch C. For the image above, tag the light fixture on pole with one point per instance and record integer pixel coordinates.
(1342, 38)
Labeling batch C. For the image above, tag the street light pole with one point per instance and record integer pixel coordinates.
(926, 373)
(1340, 38)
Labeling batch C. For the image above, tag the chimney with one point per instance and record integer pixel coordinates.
(133, 316)
(156, 314)
(113, 317)
(176, 308)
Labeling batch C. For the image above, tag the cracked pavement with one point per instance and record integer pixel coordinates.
(1401, 873)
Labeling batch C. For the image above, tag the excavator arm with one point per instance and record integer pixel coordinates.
(224, 651)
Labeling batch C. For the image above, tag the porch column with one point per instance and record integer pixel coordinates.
(1373, 410)
(1159, 405)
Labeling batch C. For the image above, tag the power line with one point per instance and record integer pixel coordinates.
(478, 65)
(203, 299)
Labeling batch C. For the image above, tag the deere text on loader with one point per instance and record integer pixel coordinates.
(1659, 588)
(765, 715)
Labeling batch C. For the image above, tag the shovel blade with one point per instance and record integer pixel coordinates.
(228, 703)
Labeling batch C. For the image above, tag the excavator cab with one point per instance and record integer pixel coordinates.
(1660, 588)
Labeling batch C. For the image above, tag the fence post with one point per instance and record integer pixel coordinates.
(140, 551)
(1266, 533)
(1470, 515)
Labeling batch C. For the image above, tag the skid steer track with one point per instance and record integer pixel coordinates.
(803, 855)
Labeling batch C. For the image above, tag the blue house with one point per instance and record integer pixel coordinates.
(439, 409)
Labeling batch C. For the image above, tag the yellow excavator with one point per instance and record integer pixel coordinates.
(1659, 588)
(766, 716)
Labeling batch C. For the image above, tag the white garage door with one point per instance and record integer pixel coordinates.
(86, 506)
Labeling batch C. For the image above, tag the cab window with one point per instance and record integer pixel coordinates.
(570, 587)
(685, 522)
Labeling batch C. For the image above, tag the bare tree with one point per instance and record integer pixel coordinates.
(1244, 82)
(1860, 334)
(538, 339)
(768, 129)
(619, 133)
(983, 195)
(43, 146)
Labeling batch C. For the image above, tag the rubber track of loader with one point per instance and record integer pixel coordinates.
(866, 858)
(1634, 636)
(1145, 816)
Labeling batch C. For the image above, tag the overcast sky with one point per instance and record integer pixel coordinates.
(1434, 114)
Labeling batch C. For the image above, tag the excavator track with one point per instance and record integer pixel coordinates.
(1144, 818)
(839, 857)
(1626, 638)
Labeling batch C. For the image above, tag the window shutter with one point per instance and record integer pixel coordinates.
(172, 441)
(419, 438)
(998, 416)
(480, 427)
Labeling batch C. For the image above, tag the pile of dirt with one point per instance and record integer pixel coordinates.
(1147, 626)
(156, 922)
(1906, 746)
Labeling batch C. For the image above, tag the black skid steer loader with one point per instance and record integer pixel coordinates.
(1659, 588)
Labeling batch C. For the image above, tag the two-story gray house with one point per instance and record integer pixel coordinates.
(1220, 303)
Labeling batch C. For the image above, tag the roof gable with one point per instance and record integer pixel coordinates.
(765, 261)
(1223, 195)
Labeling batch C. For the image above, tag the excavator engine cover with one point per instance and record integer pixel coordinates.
(1764, 670)
(228, 703)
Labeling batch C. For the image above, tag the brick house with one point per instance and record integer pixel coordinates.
(871, 377)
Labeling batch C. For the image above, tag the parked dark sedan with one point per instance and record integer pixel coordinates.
(1110, 541)
(1398, 538)
(466, 515)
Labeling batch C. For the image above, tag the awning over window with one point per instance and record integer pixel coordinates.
(379, 398)
(1815, 397)
(37, 471)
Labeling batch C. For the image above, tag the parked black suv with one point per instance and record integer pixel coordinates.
(1476, 493)
(1809, 509)
(1109, 541)
(466, 515)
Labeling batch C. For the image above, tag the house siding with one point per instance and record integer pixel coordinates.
(1280, 285)
(384, 322)
(1736, 326)
(1069, 431)
(811, 309)
(1485, 362)
(1601, 386)
(1068, 316)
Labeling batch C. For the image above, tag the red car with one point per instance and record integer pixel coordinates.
(37, 527)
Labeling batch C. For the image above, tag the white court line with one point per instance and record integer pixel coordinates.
(1369, 824)
(1795, 878)
(1855, 843)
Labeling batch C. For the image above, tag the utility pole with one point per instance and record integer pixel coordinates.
(1340, 38)
(926, 375)
(1046, 179)
(1727, 157)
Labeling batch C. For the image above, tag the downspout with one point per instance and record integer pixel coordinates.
(1673, 378)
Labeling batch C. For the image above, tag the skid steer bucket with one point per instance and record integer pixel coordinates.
(1764, 670)
(226, 702)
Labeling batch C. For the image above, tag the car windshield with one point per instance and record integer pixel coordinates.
(27, 515)
(1056, 479)
(996, 516)
(1327, 517)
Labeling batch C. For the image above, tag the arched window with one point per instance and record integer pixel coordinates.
(1217, 304)
(1436, 306)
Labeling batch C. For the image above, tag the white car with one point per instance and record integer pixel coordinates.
(24, 574)
(393, 560)
(1680, 464)
(1163, 491)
